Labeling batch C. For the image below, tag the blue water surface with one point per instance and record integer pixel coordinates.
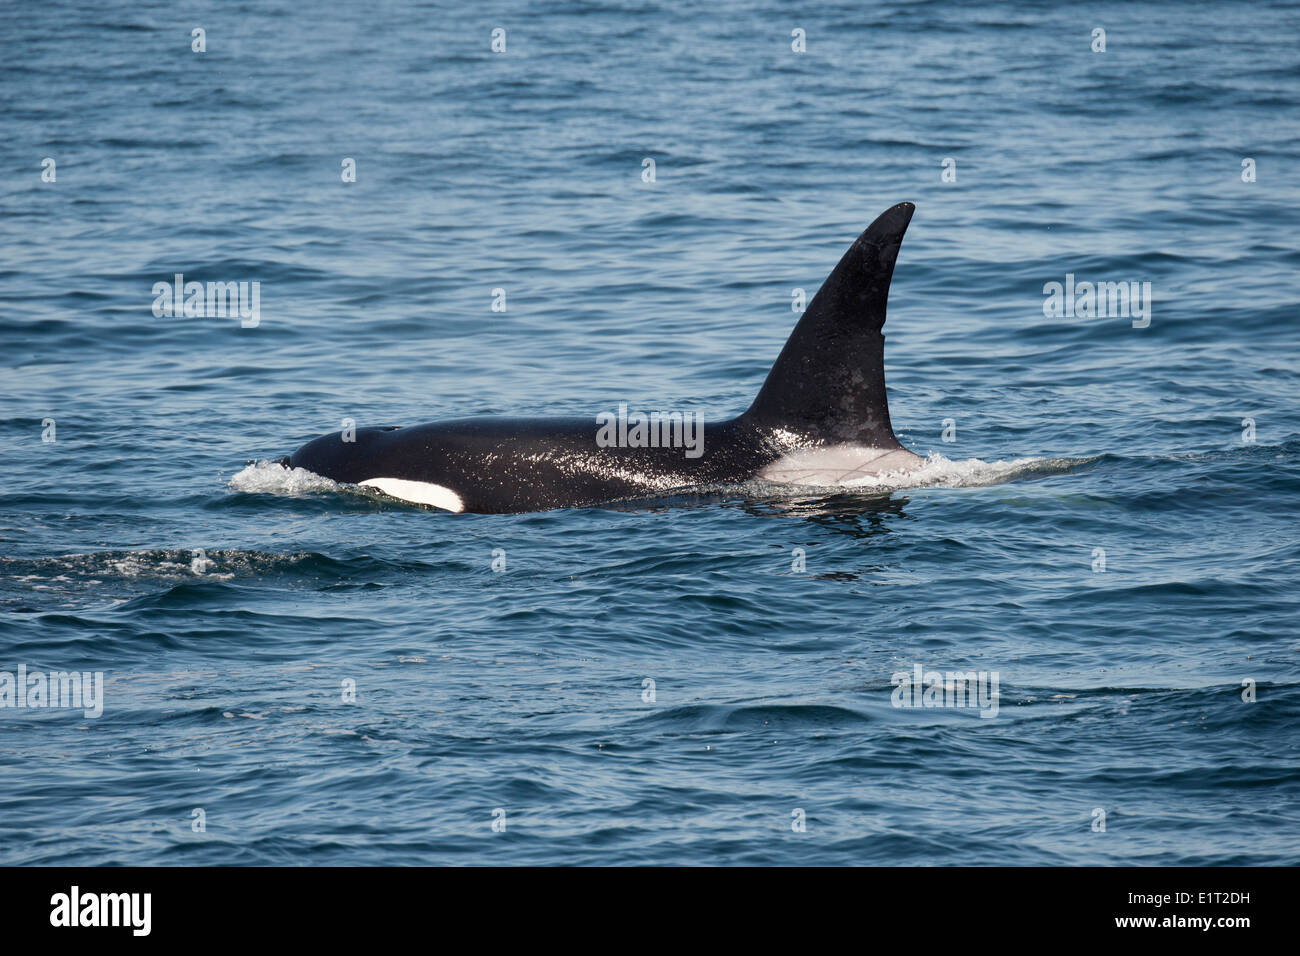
(1112, 529)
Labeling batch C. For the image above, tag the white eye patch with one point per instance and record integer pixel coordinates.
(418, 492)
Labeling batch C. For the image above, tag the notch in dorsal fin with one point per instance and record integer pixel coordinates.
(828, 383)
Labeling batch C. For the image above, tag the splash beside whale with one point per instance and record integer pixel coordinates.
(821, 418)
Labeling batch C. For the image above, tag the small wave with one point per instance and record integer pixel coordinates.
(271, 478)
(169, 577)
(761, 717)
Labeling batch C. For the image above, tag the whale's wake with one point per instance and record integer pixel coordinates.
(941, 472)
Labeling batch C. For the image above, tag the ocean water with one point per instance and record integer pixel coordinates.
(297, 673)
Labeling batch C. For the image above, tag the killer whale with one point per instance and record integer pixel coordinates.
(821, 417)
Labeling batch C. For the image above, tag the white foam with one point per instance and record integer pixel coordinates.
(939, 472)
(271, 478)
(838, 465)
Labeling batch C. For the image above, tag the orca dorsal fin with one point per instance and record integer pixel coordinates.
(828, 383)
